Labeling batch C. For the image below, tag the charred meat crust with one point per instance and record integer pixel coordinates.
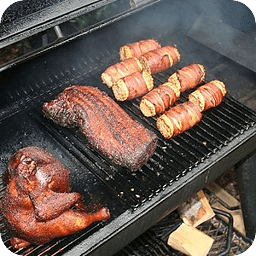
(37, 205)
(107, 126)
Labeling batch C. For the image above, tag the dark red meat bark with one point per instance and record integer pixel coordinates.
(37, 205)
(107, 126)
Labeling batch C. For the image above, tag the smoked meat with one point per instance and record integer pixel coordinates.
(133, 86)
(159, 99)
(162, 97)
(178, 119)
(159, 60)
(188, 77)
(121, 69)
(208, 95)
(138, 48)
(37, 205)
(107, 126)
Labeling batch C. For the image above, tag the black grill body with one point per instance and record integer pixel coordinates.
(179, 167)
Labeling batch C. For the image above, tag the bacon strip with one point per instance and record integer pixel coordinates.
(137, 49)
(188, 77)
(178, 119)
(209, 95)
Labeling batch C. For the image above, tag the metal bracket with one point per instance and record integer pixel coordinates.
(58, 32)
(137, 3)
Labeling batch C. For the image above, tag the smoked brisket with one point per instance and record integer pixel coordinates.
(107, 126)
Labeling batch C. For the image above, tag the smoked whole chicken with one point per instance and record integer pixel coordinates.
(37, 205)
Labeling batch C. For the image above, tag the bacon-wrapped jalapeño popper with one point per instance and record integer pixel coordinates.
(160, 59)
(178, 119)
(162, 97)
(159, 99)
(137, 49)
(121, 69)
(208, 95)
(133, 86)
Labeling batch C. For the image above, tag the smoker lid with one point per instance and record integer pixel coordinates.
(26, 18)
(52, 23)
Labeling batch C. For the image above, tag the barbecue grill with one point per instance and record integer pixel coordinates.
(73, 42)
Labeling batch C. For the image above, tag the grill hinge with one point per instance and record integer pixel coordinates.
(138, 3)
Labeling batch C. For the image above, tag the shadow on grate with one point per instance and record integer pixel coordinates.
(154, 241)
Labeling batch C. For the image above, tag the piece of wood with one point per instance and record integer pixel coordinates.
(223, 195)
(196, 210)
(190, 241)
(237, 215)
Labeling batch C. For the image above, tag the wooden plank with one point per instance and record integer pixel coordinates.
(196, 210)
(190, 241)
(223, 195)
(237, 217)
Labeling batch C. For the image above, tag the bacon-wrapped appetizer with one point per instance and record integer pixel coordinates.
(188, 77)
(121, 69)
(159, 60)
(160, 98)
(133, 86)
(178, 119)
(208, 95)
(138, 48)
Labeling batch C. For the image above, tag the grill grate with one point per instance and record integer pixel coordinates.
(172, 159)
